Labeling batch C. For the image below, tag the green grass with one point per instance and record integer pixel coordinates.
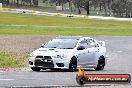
(7, 60)
(19, 24)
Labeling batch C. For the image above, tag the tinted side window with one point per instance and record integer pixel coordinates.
(85, 43)
(92, 43)
(88, 43)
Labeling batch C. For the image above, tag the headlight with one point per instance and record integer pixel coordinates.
(31, 55)
(60, 56)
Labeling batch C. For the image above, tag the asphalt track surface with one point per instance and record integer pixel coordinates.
(119, 51)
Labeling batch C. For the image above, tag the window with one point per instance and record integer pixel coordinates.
(88, 43)
(62, 43)
(92, 43)
(84, 43)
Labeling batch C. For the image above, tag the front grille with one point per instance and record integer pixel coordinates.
(47, 57)
(44, 61)
(44, 57)
(39, 57)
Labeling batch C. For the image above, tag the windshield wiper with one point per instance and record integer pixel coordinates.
(53, 47)
(49, 47)
(65, 48)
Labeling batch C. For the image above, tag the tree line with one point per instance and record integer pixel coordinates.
(117, 8)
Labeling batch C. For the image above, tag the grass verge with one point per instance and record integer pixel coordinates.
(20, 24)
(8, 61)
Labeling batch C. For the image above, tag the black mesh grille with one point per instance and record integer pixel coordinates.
(39, 57)
(45, 62)
(47, 57)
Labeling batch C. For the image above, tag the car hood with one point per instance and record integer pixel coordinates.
(53, 52)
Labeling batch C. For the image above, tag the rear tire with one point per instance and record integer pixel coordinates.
(35, 69)
(101, 63)
(73, 64)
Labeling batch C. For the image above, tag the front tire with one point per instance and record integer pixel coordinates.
(35, 69)
(101, 63)
(73, 64)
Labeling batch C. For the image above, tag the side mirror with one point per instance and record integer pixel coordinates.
(80, 48)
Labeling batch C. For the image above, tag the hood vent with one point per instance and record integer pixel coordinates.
(42, 50)
(51, 49)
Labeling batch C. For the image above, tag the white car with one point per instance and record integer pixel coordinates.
(69, 52)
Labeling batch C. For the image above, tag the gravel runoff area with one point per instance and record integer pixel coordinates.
(21, 46)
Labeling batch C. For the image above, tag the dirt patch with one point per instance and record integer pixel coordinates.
(21, 46)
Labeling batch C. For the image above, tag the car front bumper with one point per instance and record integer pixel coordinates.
(52, 64)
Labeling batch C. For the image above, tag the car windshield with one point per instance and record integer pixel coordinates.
(62, 43)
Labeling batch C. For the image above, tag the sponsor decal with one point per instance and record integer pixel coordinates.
(107, 77)
(83, 78)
